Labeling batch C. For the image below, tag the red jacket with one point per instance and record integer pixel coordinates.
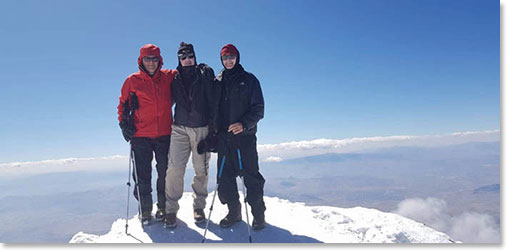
(154, 116)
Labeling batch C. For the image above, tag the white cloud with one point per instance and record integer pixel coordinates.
(429, 211)
(267, 152)
(475, 227)
(64, 165)
(273, 159)
(296, 149)
(467, 227)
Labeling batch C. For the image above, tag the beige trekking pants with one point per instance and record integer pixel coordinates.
(184, 142)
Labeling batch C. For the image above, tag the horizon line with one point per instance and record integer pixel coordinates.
(306, 143)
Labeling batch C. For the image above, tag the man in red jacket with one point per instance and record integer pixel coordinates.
(152, 125)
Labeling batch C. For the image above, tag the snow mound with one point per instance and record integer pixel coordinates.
(287, 222)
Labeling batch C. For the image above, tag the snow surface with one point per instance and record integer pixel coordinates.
(287, 222)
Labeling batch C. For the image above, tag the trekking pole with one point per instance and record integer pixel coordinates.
(139, 207)
(244, 196)
(128, 113)
(128, 197)
(213, 201)
(128, 192)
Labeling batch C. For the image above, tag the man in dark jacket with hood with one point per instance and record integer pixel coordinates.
(241, 106)
(192, 91)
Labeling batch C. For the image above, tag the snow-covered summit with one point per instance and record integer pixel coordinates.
(287, 222)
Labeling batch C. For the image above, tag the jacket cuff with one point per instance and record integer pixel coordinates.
(245, 127)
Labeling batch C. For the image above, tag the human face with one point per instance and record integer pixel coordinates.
(229, 61)
(187, 59)
(150, 63)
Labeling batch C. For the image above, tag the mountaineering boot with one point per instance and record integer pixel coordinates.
(199, 216)
(160, 214)
(258, 209)
(233, 216)
(170, 220)
(146, 218)
(258, 222)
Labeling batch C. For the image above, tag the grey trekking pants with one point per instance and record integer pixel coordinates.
(184, 142)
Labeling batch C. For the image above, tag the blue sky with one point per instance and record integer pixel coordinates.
(328, 69)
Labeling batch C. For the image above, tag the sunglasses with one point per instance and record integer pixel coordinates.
(151, 59)
(228, 57)
(185, 56)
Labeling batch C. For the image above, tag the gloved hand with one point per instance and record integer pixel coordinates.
(127, 130)
(233, 141)
(208, 144)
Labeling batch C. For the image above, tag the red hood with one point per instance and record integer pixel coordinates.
(150, 50)
(229, 49)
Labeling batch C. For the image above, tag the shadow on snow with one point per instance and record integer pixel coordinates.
(238, 233)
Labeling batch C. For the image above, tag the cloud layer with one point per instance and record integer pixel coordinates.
(64, 165)
(270, 152)
(296, 149)
(469, 227)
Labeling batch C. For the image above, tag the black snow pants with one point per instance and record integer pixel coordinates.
(254, 181)
(144, 148)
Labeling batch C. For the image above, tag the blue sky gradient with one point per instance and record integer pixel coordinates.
(328, 69)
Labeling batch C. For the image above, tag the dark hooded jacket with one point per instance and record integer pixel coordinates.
(193, 96)
(240, 99)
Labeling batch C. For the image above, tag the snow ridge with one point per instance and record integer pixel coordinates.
(287, 222)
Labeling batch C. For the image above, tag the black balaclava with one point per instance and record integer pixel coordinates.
(188, 73)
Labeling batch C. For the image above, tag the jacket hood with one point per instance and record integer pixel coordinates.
(229, 49)
(150, 50)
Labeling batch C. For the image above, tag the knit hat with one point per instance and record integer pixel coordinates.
(229, 49)
(185, 48)
(150, 50)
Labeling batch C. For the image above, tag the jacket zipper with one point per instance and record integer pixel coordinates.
(156, 101)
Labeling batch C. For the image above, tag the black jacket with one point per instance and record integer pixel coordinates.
(193, 107)
(240, 100)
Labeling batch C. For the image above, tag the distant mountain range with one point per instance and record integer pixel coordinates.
(494, 188)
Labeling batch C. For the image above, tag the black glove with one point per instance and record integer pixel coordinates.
(127, 130)
(208, 144)
(233, 141)
(134, 103)
(127, 126)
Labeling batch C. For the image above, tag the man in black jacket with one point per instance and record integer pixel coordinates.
(241, 106)
(192, 91)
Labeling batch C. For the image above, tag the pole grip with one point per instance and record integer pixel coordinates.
(221, 167)
(239, 159)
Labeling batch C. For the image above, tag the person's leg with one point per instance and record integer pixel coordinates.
(201, 167)
(179, 152)
(161, 148)
(253, 179)
(228, 189)
(143, 155)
